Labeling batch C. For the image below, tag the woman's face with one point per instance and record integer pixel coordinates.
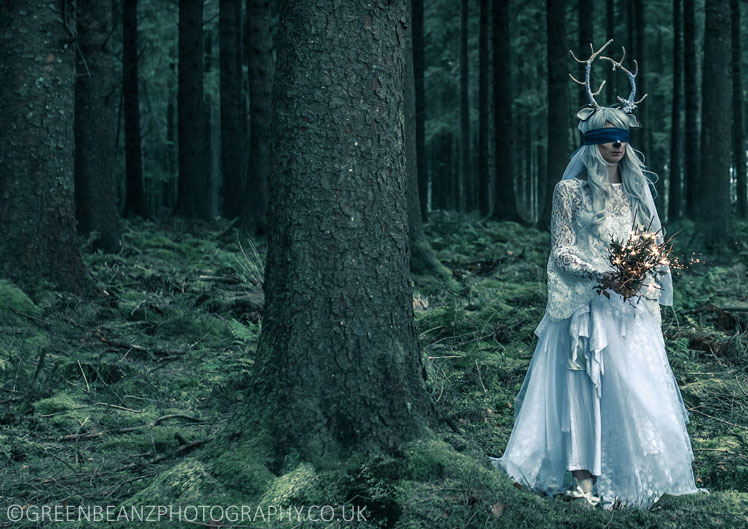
(612, 152)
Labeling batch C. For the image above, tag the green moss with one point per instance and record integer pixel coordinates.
(12, 297)
(297, 486)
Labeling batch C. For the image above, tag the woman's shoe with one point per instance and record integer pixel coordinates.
(582, 491)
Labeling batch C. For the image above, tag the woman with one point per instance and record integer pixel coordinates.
(600, 399)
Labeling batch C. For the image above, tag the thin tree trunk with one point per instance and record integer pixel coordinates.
(676, 134)
(422, 258)
(483, 112)
(505, 204)
(419, 65)
(714, 223)
(738, 109)
(463, 203)
(261, 72)
(338, 335)
(37, 217)
(95, 94)
(585, 9)
(232, 168)
(690, 84)
(134, 192)
(558, 126)
(193, 197)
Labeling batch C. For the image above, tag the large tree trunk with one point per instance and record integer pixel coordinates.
(232, 168)
(505, 204)
(337, 365)
(95, 189)
(261, 73)
(714, 222)
(134, 192)
(422, 258)
(738, 127)
(418, 70)
(463, 203)
(690, 84)
(483, 112)
(558, 118)
(37, 218)
(676, 134)
(193, 195)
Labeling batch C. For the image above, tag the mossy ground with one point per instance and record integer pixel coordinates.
(108, 402)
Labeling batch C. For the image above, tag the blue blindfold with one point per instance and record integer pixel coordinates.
(606, 135)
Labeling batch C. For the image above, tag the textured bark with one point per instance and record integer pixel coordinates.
(261, 73)
(557, 93)
(232, 168)
(422, 258)
(337, 365)
(134, 192)
(95, 89)
(690, 84)
(37, 217)
(463, 202)
(193, 195)
(738, 109)
(714, 223)
(419, 65)
(505, 204)
(676, 133)
(483, 112)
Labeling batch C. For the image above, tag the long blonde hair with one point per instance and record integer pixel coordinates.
(634, 176)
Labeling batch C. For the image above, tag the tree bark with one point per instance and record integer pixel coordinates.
(232, 168)
(134, 191)
(676, 134)
(483, 113)
(261, 73)
(738, 109)
(337, 366)
(558, 79)
(690, 84)
(37, 217)
(95, 189)
(193, 195)
(714, 223)
(505, 204)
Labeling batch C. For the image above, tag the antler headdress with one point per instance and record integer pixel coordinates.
(627, 105)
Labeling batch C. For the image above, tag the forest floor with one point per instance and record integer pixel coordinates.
(112, 402)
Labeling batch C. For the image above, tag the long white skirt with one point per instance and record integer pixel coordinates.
(600, 395)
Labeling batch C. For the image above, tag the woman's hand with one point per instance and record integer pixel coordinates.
(607, 280)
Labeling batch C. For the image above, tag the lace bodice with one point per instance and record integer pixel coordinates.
(578, 257)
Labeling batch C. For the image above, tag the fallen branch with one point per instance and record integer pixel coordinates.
(128, 429)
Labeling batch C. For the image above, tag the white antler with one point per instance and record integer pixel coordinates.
(628, 104)
(588, 68)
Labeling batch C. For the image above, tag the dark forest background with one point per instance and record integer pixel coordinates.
(294, 252)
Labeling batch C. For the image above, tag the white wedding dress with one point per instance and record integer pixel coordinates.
(599, 393)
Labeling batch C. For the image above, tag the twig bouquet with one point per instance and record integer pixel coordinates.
(633, 261)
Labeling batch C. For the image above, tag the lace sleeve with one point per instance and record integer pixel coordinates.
(564, 250)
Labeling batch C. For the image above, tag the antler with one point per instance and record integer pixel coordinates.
(588, 68)
(628, 104)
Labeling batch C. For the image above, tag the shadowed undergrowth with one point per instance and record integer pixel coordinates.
(116, 401)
